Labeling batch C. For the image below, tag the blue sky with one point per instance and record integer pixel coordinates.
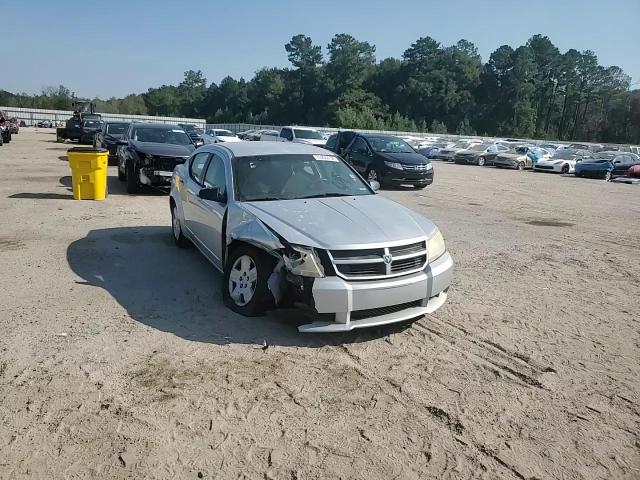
(112, 48)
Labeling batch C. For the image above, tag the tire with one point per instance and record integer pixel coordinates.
(133, 184)
(521, 166)
(121, 175)
(607, 176)
(59, 139)
(176, 228)
(374, 174)
(244, 284)
(482, 161)
(565, 169)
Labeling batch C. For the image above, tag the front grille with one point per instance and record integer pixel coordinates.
(377, 263)
(421, 167)
(166, 164)
(408, 264)
(377, 312)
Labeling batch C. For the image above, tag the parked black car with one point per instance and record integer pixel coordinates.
(148, 153)
(108, 136)
(388, 160)
(338, 142)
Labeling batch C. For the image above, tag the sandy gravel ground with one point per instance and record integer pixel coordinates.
(118, 360)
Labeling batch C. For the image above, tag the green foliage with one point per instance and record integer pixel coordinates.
(533, 90)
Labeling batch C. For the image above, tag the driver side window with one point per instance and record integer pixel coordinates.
(196, 169)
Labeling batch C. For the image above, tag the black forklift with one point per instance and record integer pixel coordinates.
(83, 125)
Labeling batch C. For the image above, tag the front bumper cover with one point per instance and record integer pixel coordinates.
(424, 292)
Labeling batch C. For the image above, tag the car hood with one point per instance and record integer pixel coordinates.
(341, 222)
(310, 141)
(163, 149)
(407, 158)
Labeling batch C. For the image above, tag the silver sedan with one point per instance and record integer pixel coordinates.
(292, 223)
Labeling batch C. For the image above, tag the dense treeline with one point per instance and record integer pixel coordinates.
(531, 91)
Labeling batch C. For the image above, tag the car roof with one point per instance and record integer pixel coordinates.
(158, 125)
(252, 149)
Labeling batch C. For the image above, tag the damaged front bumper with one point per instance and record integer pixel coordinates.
(373, 303)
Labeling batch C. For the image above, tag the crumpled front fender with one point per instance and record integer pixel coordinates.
(246, 227)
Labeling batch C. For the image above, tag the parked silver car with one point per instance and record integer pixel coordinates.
(294, 223)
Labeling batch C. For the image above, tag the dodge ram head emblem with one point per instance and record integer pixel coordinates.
(388, 258)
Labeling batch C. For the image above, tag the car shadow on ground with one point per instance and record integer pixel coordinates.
(177, 291)
(41, 196)
(117, 187)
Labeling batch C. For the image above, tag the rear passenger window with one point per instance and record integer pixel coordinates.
(196, 169)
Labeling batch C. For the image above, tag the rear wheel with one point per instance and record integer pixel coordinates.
(244, 285)
(521, 166)
(133, 183)
(482, 161)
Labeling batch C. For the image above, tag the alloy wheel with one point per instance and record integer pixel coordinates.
(243, 280)
(372, 176)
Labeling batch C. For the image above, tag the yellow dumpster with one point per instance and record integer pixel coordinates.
(88, 172)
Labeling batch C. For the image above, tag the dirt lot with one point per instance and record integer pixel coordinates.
(118, 360)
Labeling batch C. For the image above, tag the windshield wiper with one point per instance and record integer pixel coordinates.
(325, 195)
(264, 199)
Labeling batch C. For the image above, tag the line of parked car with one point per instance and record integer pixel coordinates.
(610, 163)
(8, 126)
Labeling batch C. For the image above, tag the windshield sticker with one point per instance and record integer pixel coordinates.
(326, 158)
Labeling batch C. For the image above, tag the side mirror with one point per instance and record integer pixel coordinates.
(375, 185)
(212, 194)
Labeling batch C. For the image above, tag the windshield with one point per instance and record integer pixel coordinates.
(479, 148)
(389, 145)
(161, 135)
(117, 128)
(288, 177)
(223, 133)
(308, 134)
(92, 124)
(521, 149)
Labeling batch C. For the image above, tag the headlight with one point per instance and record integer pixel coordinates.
(303, 261)
(395, 165)
(429, 166)
(436, 246)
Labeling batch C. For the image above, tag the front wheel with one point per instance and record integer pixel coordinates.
(481, 161)
(176, 227)
(373, 175)
(133, 183)
(565, 169)
(521, 166)
(244, 284)
(607, 176)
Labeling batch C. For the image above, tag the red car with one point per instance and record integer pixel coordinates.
(634, 171)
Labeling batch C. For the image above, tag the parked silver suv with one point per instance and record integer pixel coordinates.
(294, 223)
